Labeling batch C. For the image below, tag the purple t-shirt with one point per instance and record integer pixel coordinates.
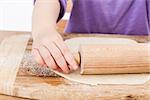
(130, 17)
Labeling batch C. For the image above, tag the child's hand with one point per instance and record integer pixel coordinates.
(50, 49)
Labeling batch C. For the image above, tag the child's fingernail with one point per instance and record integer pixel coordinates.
(75, 67)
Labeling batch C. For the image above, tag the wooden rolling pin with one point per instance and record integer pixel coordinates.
(114, 58)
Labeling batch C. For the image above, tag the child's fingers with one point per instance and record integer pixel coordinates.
(58, 57)
(37, 57)
(47, 57)
(58, 69)
(67, 55)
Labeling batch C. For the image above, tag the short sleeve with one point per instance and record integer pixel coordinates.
(63, 6)
(34, 1)
(149, 11)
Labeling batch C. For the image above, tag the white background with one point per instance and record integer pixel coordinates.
(15, 15)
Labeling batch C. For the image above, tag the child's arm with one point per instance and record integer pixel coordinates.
(48, 45)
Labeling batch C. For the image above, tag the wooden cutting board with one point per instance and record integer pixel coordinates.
(29, 86)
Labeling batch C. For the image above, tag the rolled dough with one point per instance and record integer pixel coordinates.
(74, 44)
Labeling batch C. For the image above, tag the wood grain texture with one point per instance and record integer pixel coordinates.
(115, 58)
(50, 87)
(6, 97)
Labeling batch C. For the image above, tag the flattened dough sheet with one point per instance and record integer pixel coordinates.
(74, 44)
